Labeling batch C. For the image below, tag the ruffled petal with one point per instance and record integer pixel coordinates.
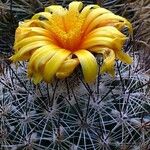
(29, 40)
(75, 6)
(21, 33)
(67, 68)
(40, 57)
(54, 64)
(108, 62)
(93, 15)
(55, 9)
(29, 28)
(106, 31)
(28, 49)
(112, 43)
(108, 59)
(86, 10)
(88, 64)
(45, 15)
(28, 23)
(108, 18)
(37, 78)
(45, 25)
(98, 41)
(124, 57)
(40, 31)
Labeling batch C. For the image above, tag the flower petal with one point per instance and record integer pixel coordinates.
(86, 10)
(29, 48)
(113, 43)
(93, 15)
(40, 57)
(108, 62)
(24, 29)
(75, 6)
(37, 78)
(54, 64)
(108, 18)
(88, 64)
(21, 33)
(124, 57)
(45, 25)
(106, 31)
(108, 59)
(37, 62)
(29, 40)
(28, 23)
(46, 15)
(67, 68)
(54, 9)
(40, 31)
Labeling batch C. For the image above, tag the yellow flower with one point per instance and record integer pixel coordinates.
(57, 40)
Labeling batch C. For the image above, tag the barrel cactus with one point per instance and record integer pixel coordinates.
(111, 113)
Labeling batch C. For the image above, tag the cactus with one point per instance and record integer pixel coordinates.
(110, 114)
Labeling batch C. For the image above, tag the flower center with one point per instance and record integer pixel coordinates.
(67, 29)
